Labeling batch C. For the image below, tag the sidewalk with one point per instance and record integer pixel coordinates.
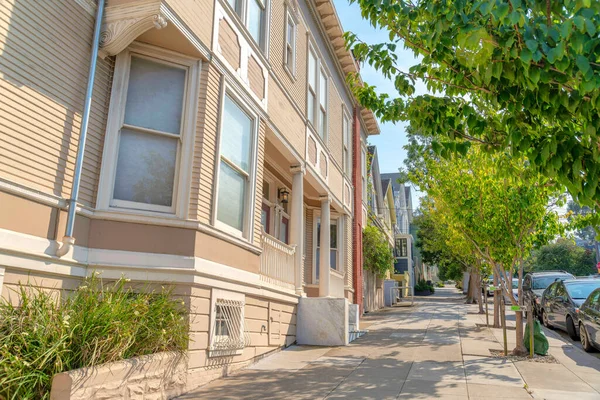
(434, 350)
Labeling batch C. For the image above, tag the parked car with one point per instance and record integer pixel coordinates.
(561, 301)
(589, 322)
(534, 284)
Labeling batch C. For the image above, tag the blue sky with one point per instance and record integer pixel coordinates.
(393, 136)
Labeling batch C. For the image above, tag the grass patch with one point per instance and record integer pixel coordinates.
(46, 334)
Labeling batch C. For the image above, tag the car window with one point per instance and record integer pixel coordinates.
(515, 284)
(527, 281)
(560, 289)
(578, 290)
(594, 300)
(543, 282)
(551, 290)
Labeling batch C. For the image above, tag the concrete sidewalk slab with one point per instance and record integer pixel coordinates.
(487, 391)
(551, 377)
(492, 371)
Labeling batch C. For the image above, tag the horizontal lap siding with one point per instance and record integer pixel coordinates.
(335, 124)
(295, 86)
(197, 15)
(44, 63)
(260, 161)
(205, 147)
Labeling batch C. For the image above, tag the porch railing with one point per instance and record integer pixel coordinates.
(277, 262)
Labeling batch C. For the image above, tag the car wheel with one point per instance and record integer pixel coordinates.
(545, 320)
(571, 329)
(585, 341)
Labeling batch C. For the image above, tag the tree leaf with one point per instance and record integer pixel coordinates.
(582, 63)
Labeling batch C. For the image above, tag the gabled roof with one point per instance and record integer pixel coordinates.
(385, 184)
(334, 31)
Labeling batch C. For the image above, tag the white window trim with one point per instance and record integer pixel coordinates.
(248, 222)
(224, 294)
(320, 67)
(116, 113)
(286, 62)
(243, 19)
(338, 220)
(277, 211)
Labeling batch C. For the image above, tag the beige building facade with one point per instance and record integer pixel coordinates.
(219, 139)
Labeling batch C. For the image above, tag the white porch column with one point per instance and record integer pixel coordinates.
(297, 225)
(324, 268)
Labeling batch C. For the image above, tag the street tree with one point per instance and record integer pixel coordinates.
(518, 77)
(499, 204)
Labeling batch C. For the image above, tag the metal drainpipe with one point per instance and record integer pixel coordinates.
(69, 240)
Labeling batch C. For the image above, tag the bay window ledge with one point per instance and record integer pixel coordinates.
(125, 22)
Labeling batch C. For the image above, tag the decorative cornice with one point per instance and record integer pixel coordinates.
(124, 23)
(299, 168)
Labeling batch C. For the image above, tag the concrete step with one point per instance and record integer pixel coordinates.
(353, 335)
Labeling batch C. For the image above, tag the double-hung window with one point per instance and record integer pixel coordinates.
(148, 131)
(347, 156)
(290, 44)
(322, 104)
(274, 214)
(334, 253)
(235, 166)
(317, 94)
(312, 86)
(252, 14)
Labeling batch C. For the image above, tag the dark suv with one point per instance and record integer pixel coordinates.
(534, 284)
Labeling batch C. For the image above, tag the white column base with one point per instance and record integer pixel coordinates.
(322, 321)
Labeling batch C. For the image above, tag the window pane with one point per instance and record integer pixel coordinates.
(265, 217)
(322, 122)
(235, 4)
(236, 135)
(312, 70)
(323, 90)
(255, 20)
(333, 236)
(333, 259)
(318, 262)
(145, 168)
(265, 190)
(232, 188)
(283, 229)
(291, 32)
(155, 96)
(311, 107)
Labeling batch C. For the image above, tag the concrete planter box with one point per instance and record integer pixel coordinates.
(155, 376)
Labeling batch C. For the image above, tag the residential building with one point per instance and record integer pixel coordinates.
(403, 236)
(220, 135)
(381, 214)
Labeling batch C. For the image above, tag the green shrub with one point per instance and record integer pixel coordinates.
(378, 257)
(439, 284)
(45, 335)
(423, 286)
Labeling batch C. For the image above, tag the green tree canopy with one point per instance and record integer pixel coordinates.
(516, 76)
(563, 255)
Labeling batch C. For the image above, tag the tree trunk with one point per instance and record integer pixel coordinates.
(496, 303)
(472, 287)
(520, 349)
(479, 291)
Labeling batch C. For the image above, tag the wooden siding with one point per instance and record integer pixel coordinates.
(256, 78)
(45, 48)
(294, 85)
(198, 15)
(205, 148)
(229, 43)
(287, 121)
(335, 136)
(260, 162)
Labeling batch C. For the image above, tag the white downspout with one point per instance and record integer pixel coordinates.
(69, 240)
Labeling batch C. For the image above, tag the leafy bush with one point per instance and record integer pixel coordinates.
(96, 324)
(423, 286)
(378, 256)
(440, 284)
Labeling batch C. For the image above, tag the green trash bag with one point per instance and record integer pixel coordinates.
(540, 341)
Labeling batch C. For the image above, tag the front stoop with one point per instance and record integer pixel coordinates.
(353, 335)
(323, 321)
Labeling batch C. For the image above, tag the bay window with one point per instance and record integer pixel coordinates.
(235, 159)
(149, 128)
